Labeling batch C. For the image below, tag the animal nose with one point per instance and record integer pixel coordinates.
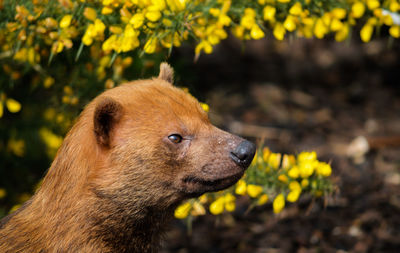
(244, 153)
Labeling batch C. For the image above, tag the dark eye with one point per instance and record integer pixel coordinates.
(175, 138)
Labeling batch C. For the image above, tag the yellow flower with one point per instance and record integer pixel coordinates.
(52, 140)
(274, 159)
(262, 199)
(203, 46)
(176, 5)
(203, 199)
(65, 21)
(293, 196)
(324, 169)
(295, 186)
(106, 10)
(256, 32)
(153, 15)
(205, 107)
(290, 23)
(241, 187)
(342, 34)
(358, 9)
(99, 26)
(306, 169)
(48, 82)
(288, 161)
(269, 13)
(394, 6)
(13, 105)
(150, 46)
(137, 20)
(87, 39)
(248, 19)
(182, 211)
(90, 13)
(366, 32)
(307, 157)
(229, 201)
(1, 109)
(224, 20)
(238, 31)
(336, 25)
(265, 154)
(159, 4)
(279, 31)
(304, 183)
(283, 178)
(284, 1)
(215, 12)
(294, 172)
(3, 193)
(217, 207)
(254, 190)
(320, 29)
(394, 31)
(110, 43)
(387, 20)
(279, 203)
(198, 209)
(296, 9)
(373, 4)
(338, 13)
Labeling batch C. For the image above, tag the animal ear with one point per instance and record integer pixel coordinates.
(166, 72)
(107, 114)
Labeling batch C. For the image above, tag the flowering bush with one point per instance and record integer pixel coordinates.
(272, 176)
(34, 32)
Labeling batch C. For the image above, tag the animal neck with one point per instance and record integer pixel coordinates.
(130, 232)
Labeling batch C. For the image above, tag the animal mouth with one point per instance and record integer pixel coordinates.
(196, 185)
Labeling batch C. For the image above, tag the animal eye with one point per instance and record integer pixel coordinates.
(175, 138)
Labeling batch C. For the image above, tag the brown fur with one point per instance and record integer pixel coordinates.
(117, 177)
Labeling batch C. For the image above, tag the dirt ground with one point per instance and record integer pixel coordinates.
(306, 95)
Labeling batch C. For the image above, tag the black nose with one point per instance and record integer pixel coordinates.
(244, 153)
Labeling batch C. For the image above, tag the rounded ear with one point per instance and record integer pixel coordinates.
(107, 114)
(166, 72)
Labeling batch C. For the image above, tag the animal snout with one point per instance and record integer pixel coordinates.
(244, 153)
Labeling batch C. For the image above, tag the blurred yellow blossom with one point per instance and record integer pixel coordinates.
(182, 211)
(254, 190)
(373, 4)
(65, 21)
(395, 31)
(279, 203)
(3, 193)
(241, 187)
(90, 13)
(262, 199)
(366, 32)
(358, 9)
(217, 207)
(296, 9)
(269, 13)
(279, 31)
(13, 105)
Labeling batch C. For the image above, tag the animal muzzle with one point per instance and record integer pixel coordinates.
(243, 153)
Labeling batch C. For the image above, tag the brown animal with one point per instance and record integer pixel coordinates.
(134, 154)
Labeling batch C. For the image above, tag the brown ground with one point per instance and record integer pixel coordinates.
(306, 95)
